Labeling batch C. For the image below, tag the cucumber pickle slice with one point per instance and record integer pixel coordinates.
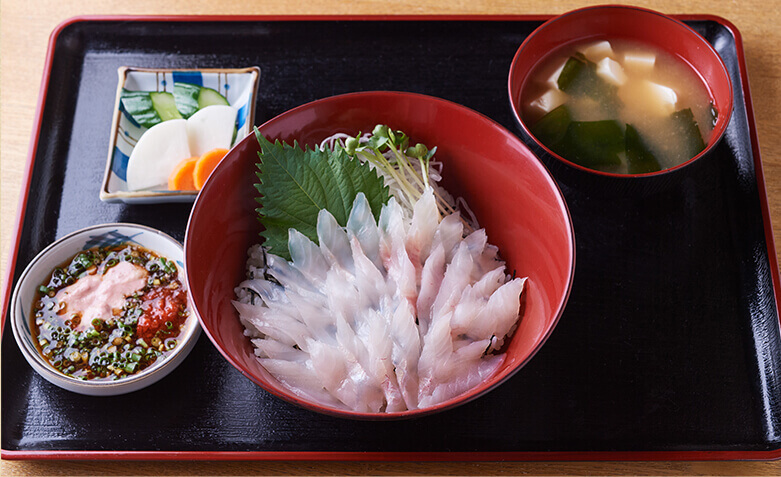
(139, 106)
(165, 105)
(150, 108)
(209, 97)
(186, 97)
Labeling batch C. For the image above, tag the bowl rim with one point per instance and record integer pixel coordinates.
(718, 131)
(475, 392)
(129, 384)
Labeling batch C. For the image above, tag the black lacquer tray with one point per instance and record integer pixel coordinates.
(669, 347)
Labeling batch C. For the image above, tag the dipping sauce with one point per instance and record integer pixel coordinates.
(110, 312)
(619, 106)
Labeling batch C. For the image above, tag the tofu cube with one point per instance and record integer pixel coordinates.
(553, 80)
(653, 98)
(596, 51)
(639, 61)
(550, 100)
(611, 71)
(664, 97)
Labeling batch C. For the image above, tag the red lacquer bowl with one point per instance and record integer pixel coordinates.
(630, 23)
(510, 191)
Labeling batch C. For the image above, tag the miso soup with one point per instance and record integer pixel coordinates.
(619, 106)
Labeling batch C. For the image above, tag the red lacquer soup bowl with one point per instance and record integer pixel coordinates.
(508, 188)
(614, 22)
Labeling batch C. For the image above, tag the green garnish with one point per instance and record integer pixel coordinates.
(295, 184)
(400, 167)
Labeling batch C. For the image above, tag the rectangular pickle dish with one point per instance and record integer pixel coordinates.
(237, 85)
(669, 347)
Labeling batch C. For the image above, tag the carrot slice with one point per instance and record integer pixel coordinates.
(181, 177)
(205, 165)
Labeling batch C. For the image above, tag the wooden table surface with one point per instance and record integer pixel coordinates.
(24, 30)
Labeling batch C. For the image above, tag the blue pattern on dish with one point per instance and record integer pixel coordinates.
(192, 77)
(110, 239)
(119, 163)
(241, 115)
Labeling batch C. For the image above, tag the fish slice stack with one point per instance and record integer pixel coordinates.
(382, 316)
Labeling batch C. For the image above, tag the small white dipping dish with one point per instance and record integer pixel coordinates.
(39, 271)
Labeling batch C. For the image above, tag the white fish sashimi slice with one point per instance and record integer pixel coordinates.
(430, 282)
(307, 257)
(253, 318)
(369, 282)
(379, 360)
(500, 315)
(453, 362)
(362, 226)
(425, 219)
(392, 218)
(473, 376)
(279, 326)
(490, 282)
(362, 367)
(449, 233)
(342, 297)
(457, 277)
(334, 243)
(269, 348)
(401, 271)
(338, 375)
(471, 304)
(405, 353)
(321, 326)
(265, 290)
(301, 379)
(211, 128)
(288, 276)
(435, 353)
(156, 154)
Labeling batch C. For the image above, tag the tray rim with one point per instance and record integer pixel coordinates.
(682, 455)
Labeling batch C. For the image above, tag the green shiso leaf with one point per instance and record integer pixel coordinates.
(295, 184)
